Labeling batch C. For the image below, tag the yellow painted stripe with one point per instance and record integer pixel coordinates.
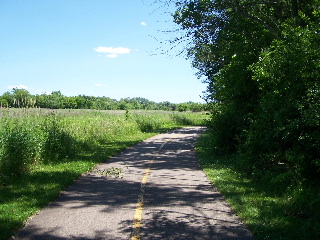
(137, 220)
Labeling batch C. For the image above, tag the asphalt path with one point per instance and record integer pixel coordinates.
(153, 190)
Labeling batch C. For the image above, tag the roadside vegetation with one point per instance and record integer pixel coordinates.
(273, 207)
(43, 151)
(261, 63)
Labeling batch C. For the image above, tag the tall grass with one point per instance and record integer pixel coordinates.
(43, 151)
(21, 146)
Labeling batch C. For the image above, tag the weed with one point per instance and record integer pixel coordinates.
(58, 143)
(181, 119)
(114, 171)
(148, 123)
(20, 144)
(44, 151)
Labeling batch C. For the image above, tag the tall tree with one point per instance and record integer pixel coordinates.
(250, 52)
(22, 98)
(8, 98)
(224, 43)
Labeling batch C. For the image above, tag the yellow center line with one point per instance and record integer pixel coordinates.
(137, 220)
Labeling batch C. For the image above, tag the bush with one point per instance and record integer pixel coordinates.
(20, 145)
(285, 127)
(58, 143)
(181, 119)
(148, 123)
(183, 107)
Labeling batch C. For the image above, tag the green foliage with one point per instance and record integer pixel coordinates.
(43, 151)
(196, 107)
(148, 123)
(4, 103)
(272, 206)
(261, 63)
(224, 130)
(20, 147)
(8, 98)
(21, 98)
(262, 66)
(183, 107)
(58, 143)
(162, 121)
(182, 119)
(29, 137)
(286, 124)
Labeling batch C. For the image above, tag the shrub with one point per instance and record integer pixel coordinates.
(181, 119)
(58, 143)
(183, 107)
(148, 123)
(20, 147)
(285, 127)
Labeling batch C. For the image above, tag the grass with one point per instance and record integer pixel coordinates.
(28, 194)
(60, 145)
(273, 209)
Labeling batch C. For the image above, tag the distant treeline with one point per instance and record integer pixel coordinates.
(21, 98)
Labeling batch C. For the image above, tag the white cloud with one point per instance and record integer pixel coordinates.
(112, 50)
(18, 86)
(113, 55)
(99, 85)
(143, 23)
(31, 89)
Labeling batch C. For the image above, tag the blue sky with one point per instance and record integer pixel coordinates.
(106, 48)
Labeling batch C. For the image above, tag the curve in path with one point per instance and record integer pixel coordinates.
(153, 190)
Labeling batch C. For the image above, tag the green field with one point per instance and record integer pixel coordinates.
(43, 151)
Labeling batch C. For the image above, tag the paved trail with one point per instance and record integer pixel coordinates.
(163, 194)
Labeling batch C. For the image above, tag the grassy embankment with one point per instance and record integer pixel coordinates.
(44, 151)
(273, 207)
